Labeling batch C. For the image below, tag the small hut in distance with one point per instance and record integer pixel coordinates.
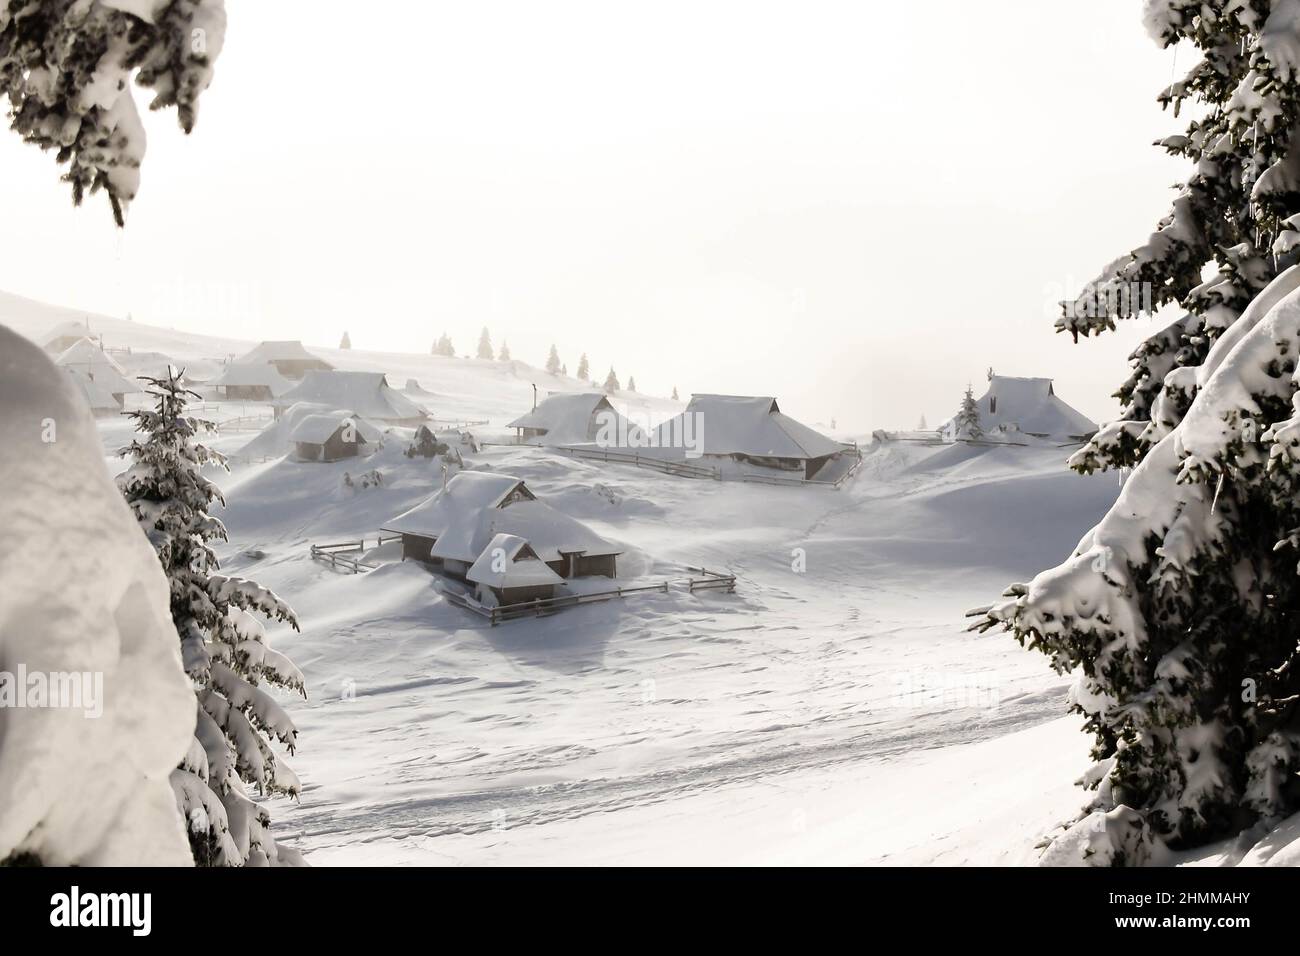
(366, 394)
(87, 358)
(65, 335)
(572, 418)
(1028, 406)
(251, 382)
(330, 437)
(752, 430)
(288, 356)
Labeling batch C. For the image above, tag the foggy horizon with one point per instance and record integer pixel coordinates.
(767, 223)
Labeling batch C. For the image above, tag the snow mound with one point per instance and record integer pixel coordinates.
(83, 593)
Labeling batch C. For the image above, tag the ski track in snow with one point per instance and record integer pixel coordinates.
(472, 812)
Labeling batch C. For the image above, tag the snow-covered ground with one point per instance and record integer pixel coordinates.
(832, 710)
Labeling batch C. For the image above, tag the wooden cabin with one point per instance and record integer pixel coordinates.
(250, 382)
(451, 530)
(288, 356)
(749, 430)
(509, 571)
(327, 438)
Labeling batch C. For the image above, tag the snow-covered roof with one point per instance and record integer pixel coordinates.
(317, 429)
(1032, 406)
(253, 373)
(364, 393)
(287, 350)
(97, 395)
(570, 418)
(518, 564)
(65, 330)
(747, 425)
(88, 358)
(477, 505)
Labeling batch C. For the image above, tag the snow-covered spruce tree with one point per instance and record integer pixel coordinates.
(1177, 612)
(223, 646)
(584, 370)
(65, 69)
(345, 342)
(485, 345)
(611, 381)
(553, 362)
(966, 425)
(504, 354)
(631, 384)
(675, 393)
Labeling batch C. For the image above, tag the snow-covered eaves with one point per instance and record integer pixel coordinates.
(88, 358)
(317, 429)
(509, 561)
(475, 506)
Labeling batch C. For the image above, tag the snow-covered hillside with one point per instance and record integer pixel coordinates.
(824, 713)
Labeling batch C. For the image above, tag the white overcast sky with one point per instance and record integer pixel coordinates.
(856, 207)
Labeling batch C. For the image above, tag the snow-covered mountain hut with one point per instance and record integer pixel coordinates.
(250, 382)
(65, 335)
(575, 418)
(451, 530)
(509, 571)
(367, 394)
(331, 436)
(288, 356)
(1029, 406)
(90, 360)
(749, 430)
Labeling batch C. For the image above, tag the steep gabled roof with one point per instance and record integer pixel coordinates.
(509, 561)
(1032, 406)
(748, 425)
(284, 350)
(572, 418)
(365, 393)
(65, 330)
(318, 429)
(88, 358)
(478, 505)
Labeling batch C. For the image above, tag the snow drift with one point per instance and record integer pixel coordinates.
(83, 593)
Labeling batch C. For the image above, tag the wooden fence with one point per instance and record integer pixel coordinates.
(544, 606)
(709, 581)
(712, 580)
(340, 556)
(245, 423)
(681, 469)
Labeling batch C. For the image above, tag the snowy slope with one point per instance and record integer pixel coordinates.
(429, 736)
(828, 712)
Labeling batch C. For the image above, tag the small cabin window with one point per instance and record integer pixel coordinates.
(993, 404)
